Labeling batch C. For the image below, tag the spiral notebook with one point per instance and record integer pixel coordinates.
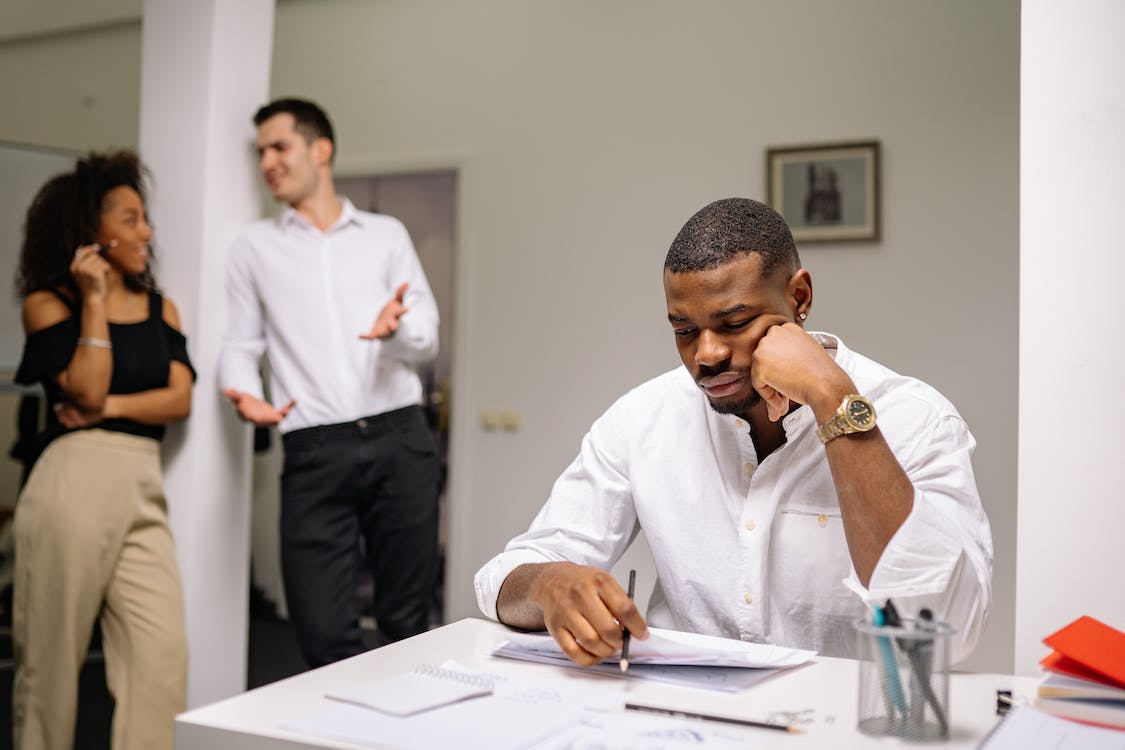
(410, 693)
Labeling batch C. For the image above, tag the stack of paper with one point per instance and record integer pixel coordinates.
(674, 647)
(701, 661)
(1084, 677)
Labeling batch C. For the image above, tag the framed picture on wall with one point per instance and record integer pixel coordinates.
(828, 192)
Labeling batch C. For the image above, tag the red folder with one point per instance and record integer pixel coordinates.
(1088, 649)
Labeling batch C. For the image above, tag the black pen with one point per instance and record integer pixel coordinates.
(625, 641)
(708, 717)
(922, 660)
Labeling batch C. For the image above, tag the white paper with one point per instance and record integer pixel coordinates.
(1054, 685)
(723, 679)
(634, 732)
(519, 713)
(675, 647)
(1027, 729)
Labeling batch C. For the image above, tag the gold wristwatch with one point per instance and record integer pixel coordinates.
(856, 414)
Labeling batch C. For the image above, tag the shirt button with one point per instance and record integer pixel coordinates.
(750, 525)
(747, 597)
(748, 467)
(738, 423)
(361, 423)
(822, 520)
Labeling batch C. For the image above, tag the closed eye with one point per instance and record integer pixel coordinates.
(683, 332)
(734, 325)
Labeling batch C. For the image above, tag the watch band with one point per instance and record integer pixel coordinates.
(833, 428)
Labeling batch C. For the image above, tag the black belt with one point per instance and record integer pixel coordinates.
(375, 423)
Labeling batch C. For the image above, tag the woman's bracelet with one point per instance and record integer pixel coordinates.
(100, 343)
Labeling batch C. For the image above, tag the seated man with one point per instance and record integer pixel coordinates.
(781, 479)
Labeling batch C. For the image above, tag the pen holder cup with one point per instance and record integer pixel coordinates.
(904, 680)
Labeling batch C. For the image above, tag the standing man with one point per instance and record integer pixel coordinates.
(338, 302)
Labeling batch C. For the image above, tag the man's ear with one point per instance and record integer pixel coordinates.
(799, 292)
(322, 151)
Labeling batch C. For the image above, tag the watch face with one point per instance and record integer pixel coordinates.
(860, 413)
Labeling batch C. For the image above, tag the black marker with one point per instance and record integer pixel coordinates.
(625, 641)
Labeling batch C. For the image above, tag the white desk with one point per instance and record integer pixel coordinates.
(250, 721)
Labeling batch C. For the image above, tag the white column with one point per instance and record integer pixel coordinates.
(1070, 551)
(205, 69)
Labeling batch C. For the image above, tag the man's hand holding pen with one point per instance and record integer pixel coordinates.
(585, 610)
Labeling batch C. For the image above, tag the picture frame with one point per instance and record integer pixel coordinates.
(826, 192)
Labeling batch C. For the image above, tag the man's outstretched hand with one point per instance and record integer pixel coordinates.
(256, 411)
(387, 322)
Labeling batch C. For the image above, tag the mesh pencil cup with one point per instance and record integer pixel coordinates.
(904, 679)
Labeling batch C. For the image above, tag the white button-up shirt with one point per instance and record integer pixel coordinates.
(757, 551)
(305, 296)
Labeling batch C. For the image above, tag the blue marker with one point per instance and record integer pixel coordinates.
(890, 666)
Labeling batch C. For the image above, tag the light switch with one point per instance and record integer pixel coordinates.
(489, 420)
(510, 420)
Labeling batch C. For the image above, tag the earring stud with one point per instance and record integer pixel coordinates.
(803, 315)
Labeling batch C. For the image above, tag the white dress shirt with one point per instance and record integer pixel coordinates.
(305, 296)
(757, 552)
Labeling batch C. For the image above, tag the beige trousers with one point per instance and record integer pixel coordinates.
(92, 541)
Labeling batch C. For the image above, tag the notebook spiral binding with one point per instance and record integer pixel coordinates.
(428, 670)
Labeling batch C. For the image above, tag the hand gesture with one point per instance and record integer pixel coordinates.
(586, 611)
(789, 364)
(256, 411)
(387, 322)
(89, 270)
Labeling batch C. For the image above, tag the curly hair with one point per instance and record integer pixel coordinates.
(66, 213)
(726, 229)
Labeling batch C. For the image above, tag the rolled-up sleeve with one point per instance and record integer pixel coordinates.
(589, 518)
(941, 556)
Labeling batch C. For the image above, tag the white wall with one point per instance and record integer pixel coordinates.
(588, 132)
(585, 133)
(1071, 267)
(77, 90)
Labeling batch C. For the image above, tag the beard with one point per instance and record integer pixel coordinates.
(739, 407)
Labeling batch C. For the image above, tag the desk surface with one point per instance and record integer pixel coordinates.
(827, 686)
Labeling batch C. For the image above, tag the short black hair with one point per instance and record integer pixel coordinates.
(729, 228)
(309, 119)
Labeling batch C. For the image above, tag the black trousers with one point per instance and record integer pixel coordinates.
(377, 476)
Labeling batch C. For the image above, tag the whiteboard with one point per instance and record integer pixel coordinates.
(23, 170)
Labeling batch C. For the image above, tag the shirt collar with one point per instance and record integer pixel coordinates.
(290, 217)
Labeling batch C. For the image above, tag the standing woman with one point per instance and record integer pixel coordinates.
(91, 526)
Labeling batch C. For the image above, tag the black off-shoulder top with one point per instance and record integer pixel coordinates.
(142, 357)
